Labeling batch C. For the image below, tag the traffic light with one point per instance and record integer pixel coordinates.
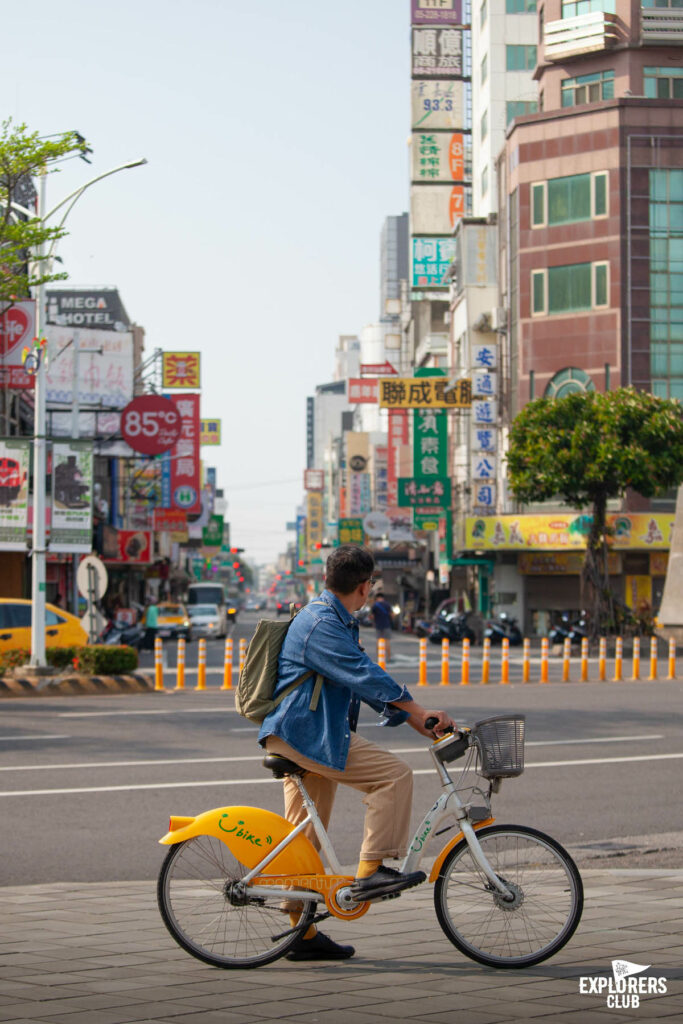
(301, 561)
(235, 565)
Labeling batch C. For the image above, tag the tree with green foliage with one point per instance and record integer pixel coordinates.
(588, 448)
(25, 155)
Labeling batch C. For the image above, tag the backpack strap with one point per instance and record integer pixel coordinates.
(315, 697)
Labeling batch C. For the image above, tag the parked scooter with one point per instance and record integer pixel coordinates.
(503, 626)
(118, 633)
(565, 629)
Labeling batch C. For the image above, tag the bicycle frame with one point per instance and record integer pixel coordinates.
(430, 823)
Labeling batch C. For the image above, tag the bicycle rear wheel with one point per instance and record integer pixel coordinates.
(547, 905)
(210, 917)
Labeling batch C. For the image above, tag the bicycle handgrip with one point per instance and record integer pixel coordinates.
(432, 721)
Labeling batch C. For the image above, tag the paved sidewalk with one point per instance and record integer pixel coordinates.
(99, 954)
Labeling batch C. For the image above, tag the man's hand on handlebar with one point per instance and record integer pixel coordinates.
(419, 715)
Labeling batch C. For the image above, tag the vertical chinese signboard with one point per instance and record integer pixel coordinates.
(180, 474)
(314, 523)
(440, 192)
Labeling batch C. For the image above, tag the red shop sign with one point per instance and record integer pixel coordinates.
(150, 424)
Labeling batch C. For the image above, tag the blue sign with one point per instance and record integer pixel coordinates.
(431, 258)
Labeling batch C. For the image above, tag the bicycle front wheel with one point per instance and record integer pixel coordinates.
(539, 921)
(212, 917)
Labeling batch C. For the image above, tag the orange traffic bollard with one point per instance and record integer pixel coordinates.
(444, 662)
(566, 659)
(653, 658)
(672, 659)
(636, 658)
(544, 660)
(422, 679)
(485, 660)
(158, 663)
(227, 665)
(526, 652)
(243, 653)
(382, 653)
(465, 671)
(619, 661)
(602, 659)
(505, 661)
(180, 676)
(201, 666)
(584, 659)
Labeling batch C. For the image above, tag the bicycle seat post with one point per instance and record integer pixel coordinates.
(323, 838)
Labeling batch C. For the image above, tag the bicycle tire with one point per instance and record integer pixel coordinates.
(548, 885)
(194, 903)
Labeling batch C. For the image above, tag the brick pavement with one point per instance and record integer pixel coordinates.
(99, 954)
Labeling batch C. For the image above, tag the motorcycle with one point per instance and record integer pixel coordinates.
(448, 624)
(504, 626)
(563, 630)
(119, 633)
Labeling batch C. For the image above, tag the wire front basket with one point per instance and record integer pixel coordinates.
(500, 744)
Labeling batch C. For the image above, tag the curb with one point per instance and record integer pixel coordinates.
(73, 685)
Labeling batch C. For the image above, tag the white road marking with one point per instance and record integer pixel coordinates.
(41, 736)
(155, 711)
(261, 780)
(258, 757)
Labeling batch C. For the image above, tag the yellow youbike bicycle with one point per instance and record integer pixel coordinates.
(505, 895)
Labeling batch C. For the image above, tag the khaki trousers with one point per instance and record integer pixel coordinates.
(386, 780)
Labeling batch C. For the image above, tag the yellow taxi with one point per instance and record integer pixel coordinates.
(62, 629)
(173, 620)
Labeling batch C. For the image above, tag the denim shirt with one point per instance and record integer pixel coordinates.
(324, 637)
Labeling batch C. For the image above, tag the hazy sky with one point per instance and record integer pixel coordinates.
(276, 138)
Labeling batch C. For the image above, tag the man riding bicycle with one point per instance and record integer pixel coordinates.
(324, 637)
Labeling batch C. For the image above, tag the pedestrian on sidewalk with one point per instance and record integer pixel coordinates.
(324, 637)
(383, 618)
(151, 625)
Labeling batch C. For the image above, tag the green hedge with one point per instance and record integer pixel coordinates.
(98, 659)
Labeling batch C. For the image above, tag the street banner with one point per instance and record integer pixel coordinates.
(436, 12)
(381, 476)
(183, 483)
(314, 479)
(314, 523)
(170, 520)
(351, 530)
(126, 545)
(430, 261)
(437, 53)
(397, 437)
(209, 432)
(72, 480)
(362, 390)
(15, 456)
(438, 104)
(640, 531)
(17, 328)
(212, 535)
(180, 369)
(105, 367)
(424, 393)
(424, 494)
(301, 537)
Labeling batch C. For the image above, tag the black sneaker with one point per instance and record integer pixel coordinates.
(384, 882)
(320, 947)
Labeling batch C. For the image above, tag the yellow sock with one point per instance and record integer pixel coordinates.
(294, 920)
(367, 868)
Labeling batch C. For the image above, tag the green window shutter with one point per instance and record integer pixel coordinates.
(601, 298)
(600, 199)
(538, 285)
(537, 205)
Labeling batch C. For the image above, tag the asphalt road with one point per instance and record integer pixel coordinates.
(87, 783)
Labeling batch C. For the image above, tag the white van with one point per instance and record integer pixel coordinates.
(210, 593)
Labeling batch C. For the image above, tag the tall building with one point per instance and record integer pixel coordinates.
(504, 56)
(393, 260)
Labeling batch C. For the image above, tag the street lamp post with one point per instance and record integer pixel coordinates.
(39, 549)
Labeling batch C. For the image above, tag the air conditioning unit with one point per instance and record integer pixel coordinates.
(499, 318)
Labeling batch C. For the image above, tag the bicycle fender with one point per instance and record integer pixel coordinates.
(250, 833)
(436, 866)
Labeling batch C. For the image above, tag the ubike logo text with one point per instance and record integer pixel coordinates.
(622, 991)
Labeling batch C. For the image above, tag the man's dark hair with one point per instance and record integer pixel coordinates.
(347, 566)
